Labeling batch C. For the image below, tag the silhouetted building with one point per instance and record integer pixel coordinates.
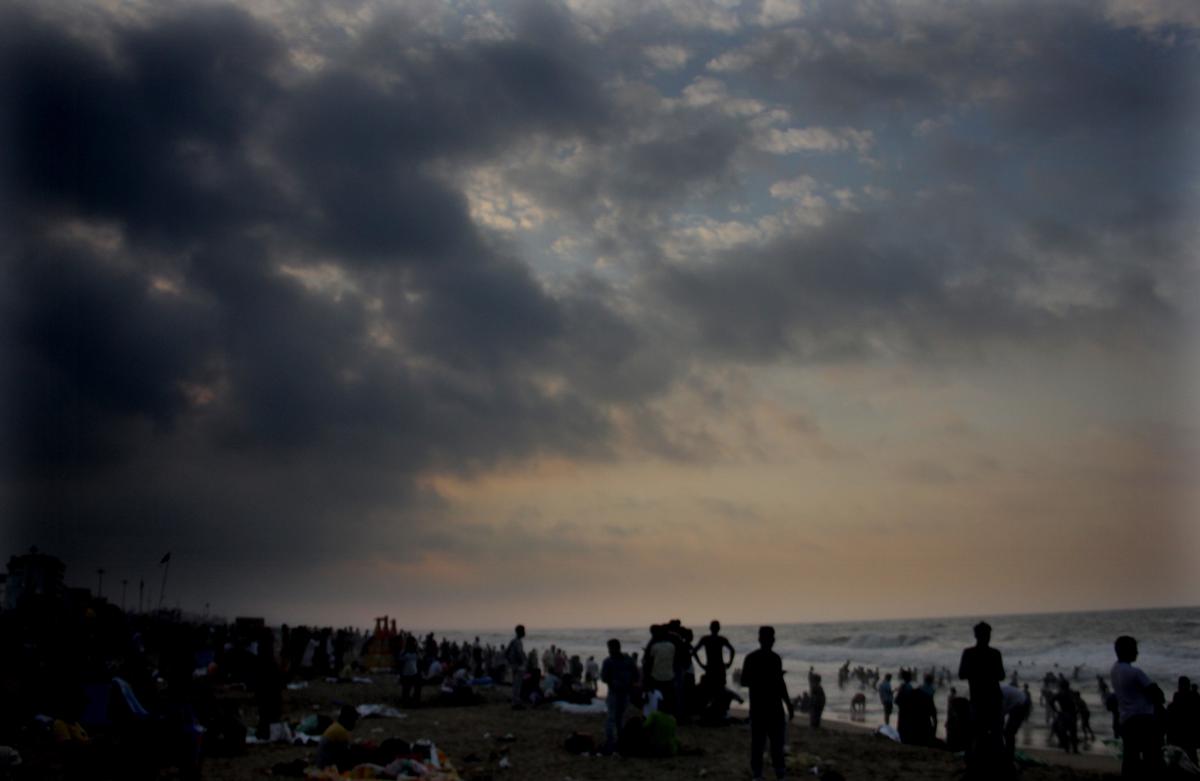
(33, 574)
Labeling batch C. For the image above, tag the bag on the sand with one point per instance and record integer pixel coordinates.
(887, 731)
(659, 733)
(1176, 759)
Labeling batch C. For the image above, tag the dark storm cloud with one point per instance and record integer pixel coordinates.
(246, 304)
(87, 348)
(150, 135)
(197, 396)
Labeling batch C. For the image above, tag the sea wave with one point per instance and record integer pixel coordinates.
(872, 640)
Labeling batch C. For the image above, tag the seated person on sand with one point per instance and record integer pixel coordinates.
(715, 712)
(550, 686)
(334, 750)
(577, 692)
(591, 675)
(531, 687)
(457, 690)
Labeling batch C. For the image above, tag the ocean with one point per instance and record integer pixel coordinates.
(1077, 645)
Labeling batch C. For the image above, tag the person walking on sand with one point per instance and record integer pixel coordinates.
(618, 674)
(1066, 718)
(1136, 695)
(982, 668)
(817, 704)
(887, 698)
(514, 654)
(1085, 718)
(762, 674)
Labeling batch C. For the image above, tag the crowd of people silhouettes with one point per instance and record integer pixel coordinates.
(151, 680)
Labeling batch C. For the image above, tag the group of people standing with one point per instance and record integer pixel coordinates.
(985, 724)
(1140, 716)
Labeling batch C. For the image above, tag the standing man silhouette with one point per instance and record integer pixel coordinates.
(1136, 694)
(714, 664)
(762, 674)
(514, 654)
(983, 669)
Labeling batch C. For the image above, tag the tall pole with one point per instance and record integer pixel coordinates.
(162, 592)
(124, 588)
(100, 583)
(141, 594)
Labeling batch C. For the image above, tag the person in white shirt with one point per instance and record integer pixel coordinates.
(659, 660)
(1136, 694)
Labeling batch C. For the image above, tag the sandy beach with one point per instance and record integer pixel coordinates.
(469, 736)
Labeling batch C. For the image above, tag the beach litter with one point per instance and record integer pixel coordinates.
(1177, 760)
(297, 685)
(9, 757)
(590, 709)
(888, 731)
(368, 711)
(420, 760)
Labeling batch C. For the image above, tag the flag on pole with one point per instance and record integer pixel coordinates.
(166, 558)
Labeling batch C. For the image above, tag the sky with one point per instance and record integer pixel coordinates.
(592, 313)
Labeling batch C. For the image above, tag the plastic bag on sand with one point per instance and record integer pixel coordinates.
(888, 731)
(281, 733)
(381, 711)
(590, 709)
(9, 757)
(1177, 759)
(411, 768)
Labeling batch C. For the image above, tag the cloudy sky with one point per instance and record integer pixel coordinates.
(592, 313)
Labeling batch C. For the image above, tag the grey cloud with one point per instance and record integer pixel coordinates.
(244, 417)
(308, 435)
